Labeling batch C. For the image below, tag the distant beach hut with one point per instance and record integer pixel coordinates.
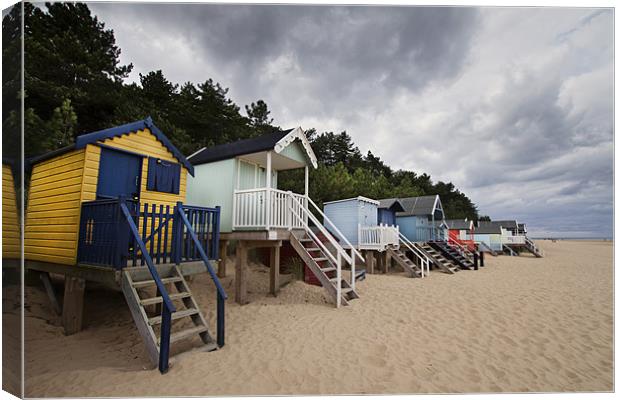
(242, 177)
(461, 231)
(423, 218)
(490, 235)
(387, 211)
(109, 208)
(359, 221)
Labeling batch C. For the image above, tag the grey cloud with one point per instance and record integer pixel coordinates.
(515, 106)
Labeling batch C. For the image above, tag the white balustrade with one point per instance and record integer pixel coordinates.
(250, 208)
(377, 237)
(513, 239)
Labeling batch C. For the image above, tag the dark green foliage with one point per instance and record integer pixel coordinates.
(75, 84)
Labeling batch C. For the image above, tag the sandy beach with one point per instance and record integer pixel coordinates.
(519, 324)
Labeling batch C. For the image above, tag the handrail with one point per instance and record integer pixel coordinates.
(316, 239)
(325, 218)
(221, 293)
(323, 231)
(337, 260)
(168, 308)
(412, 246)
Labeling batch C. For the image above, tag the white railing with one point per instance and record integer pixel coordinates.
(338, 254)
(424, 261)
(516, 239)
(377, 237)
(266, 208)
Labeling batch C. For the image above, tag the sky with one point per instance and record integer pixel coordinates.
(512, 105)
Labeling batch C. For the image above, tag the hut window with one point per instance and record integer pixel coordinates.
(163, 176)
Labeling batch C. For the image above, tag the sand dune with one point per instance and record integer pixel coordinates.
(518, 325)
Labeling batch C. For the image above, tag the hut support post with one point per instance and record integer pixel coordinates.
(221, 268)
(73, 304)
(482, 258)
(387, 260)
(369, 256)
(51, 294)
(274, 270)
(241, 273)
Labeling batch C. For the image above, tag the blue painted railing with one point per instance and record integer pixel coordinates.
(168, 308)
(185, 217)
(110, 236)
(105, 239)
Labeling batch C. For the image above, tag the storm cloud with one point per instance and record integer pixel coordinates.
(513, 105)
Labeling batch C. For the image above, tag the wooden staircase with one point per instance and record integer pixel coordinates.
(509, 250)
(311, 252)
(188, 322)
(456, 255)
(401, 258)
(532, 248)
(438, 259)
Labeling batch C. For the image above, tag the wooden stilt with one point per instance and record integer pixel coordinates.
(386, 261)
(380, 261)
(369, 256)
(73, 304)
(241, 273)
(51, 294)
(274, 270)
(221, 268)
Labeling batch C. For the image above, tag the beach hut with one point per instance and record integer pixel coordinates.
(359, 222)
(387, 211)
(461, 231)
(10, 224)
(422, 219)
(242, 177)
(514, 238)
(110, 208)
(490, 235)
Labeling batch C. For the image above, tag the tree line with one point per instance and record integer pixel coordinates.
(75, 84)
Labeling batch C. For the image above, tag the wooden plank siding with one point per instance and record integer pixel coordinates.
(53, 210)
(60, 185)
(145, 143)
(10, 225)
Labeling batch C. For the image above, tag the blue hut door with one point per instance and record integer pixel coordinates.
(119, 175)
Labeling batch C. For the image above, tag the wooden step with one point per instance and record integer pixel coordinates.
(150, 282)
(174, 315)
(157, 300)
(175, 337)
(306, 240)
(328, 269)
(320, 259)
(309, 249)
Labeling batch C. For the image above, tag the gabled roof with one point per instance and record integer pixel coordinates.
(99, 136)
(508, 224)
(422, 205)
(488, 229)
(275, 141)
(461, 224)
(358, 198)
(392, 204)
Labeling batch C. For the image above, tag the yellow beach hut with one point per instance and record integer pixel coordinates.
(109, 208)
(10, 223)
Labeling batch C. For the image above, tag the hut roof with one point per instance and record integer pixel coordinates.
(393, 204)
(94, 137)
(358, 198)
(508, 223)
(489, 229)
(459, 224)
(271, 141)
(422, 205)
